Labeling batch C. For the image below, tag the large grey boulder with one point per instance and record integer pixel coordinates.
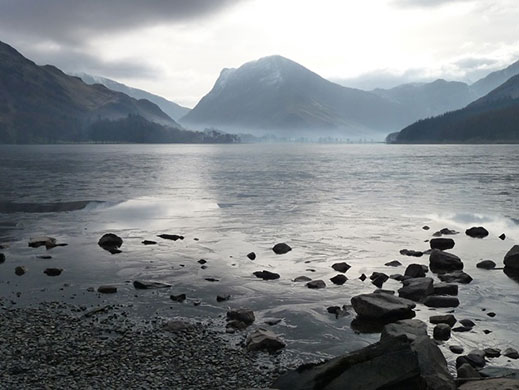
(416, 289)
(440, 261)
(394, 363)
(382, 307)
(512, 259)
(411, 329)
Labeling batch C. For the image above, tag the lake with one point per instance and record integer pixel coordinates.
(331, 203)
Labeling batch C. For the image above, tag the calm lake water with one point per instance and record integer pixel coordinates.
(355, 203)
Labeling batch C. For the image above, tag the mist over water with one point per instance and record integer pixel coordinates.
(355, 203)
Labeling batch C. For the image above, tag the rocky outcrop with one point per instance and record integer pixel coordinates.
(392, 363)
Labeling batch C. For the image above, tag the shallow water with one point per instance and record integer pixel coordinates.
(355, 203)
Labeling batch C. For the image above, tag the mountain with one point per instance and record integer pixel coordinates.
(429, 99)
(494, 79)
(40, 104)
(277, 95)
(493, 118)
(174, 110)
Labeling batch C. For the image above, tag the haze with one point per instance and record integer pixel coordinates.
(177, 49)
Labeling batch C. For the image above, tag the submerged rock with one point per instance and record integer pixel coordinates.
(486, 264)
(53, 271)
(48, 242)
(393, 363)
(146, 285)
(281, 248)
(173, 237)
(316, 284)
(448, 319)
(440, 261)
(394, 263)
(266, 275)
(178, 298)
(222, 298)
(242, 315)
(107, 289)
(2, 258)
(302, 279)
(477, 232)
(441, 301)
(251, 256)
(502, 236)
(20, 270)
(408, 252)
(443, 288)
(382, 307)
(442, 243)
(264, 340)
(149, 242)
(341, 267)
(378, 279)
(415, 271)
(455, 277)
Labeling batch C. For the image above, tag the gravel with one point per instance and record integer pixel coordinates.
(60, 346)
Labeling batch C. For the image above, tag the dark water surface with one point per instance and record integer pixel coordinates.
(355, 203)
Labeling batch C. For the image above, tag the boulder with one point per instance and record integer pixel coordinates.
(382, 291)
(492, 352)
(222, 298)
(441, 301)
(447, 231)
(53, 271)
(251, 256)
(243, 315)
(147, 285)
(394, 263)
(443, 288)
(442, 332)
(466, 371)
(457, 349)
(477, 232)
(264, 340)
(486, 264)
(476, 360)
(467, 322)
(48, 242)
(177, 326)
(394, 363)
(411, 329)
(415, 271)
(491, 384)
(107, 289)
(455, 277)
(382, 307)
(512, 258)
(363, 277)
(149, 242)
(266, 275)
(316, 284)
(440, 261)
(20, 270)
(173, 237)
(339, 279)
(281, 248)
(341, 267)
(302, 279)
(441, 243)
(448, 319)
(416, 289)
(2, 258)
(110, 242)
(502, 236)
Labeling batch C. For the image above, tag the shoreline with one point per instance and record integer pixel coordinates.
(58, 345)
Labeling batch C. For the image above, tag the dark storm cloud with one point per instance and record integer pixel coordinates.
(74, 21)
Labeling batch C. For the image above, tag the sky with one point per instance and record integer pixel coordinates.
(177, 48)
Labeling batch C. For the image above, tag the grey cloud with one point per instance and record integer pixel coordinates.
(74, 21)
(384, 79)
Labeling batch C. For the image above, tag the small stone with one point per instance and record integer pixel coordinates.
(461, 329)
(281, 248)
(457, 349)
(302, 279)
(251, 256)
(408, 252)
(222, 298)
(394, 263)
(243, 315)
(339, 279)
(425, 227)
(20, 270)
(363, 277)
(202, 261)
(491, 314)
(266, 275)
(147, 285)
(262, 339)
(467, 322)
(477, 232)
(502, 236)
(149, 242)
(107, 289)
(173, 237)
(441, 243)
(492, 352)
(178, 298)
(48, 242)
(211, 279)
